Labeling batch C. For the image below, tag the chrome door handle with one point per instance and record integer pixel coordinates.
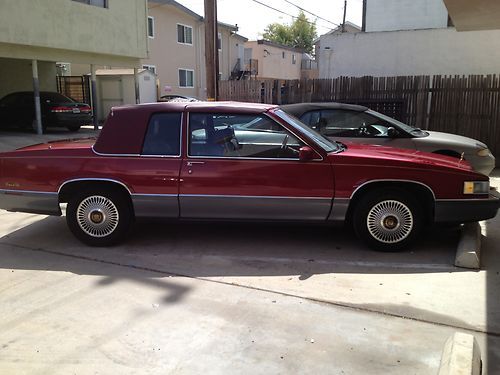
(191, 163)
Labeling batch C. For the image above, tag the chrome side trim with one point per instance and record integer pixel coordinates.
(113, 155)
(485, 199)
(249, 196)
(139, 195)
(20, 192)
(92, 179)
(339, 209)
(389, 180)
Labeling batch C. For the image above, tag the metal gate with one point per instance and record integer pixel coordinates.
(76, 87)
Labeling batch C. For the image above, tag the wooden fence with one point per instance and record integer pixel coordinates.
(465, 105)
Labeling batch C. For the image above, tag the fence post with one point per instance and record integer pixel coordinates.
(429, 103)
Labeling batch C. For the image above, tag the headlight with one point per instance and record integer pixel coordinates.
(476, 187)
(483, 152)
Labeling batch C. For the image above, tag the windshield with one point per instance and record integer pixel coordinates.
(322, 141)
(407, 128)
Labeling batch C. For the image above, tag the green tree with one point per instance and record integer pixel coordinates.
(300, 34)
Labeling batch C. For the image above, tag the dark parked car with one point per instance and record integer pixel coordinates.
(18, 109)
(358, 124)
(237, 162)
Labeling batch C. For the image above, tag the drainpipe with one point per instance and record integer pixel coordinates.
(36, 91)
(136, 84)
(93, 94)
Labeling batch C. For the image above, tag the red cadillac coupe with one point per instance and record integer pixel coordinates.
(237, 161)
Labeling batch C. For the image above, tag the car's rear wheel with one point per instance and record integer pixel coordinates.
(387, 220)
(99, 218)
(74, 128)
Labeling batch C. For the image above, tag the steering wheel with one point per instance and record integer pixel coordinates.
(363, 130)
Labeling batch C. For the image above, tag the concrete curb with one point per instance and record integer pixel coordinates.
(461, 356)
(469, 247)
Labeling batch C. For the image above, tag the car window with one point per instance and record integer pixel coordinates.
(163, 136)
(347, 123)
(54, 97)
(242, 136)
(311, 118)
(10, 100)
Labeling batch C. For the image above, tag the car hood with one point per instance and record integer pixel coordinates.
(390, 156)
(456, 141)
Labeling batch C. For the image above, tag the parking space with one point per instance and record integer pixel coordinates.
(178, 296)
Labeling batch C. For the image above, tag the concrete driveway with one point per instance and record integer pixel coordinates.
(219, 298)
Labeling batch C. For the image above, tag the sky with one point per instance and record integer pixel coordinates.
(252, 18)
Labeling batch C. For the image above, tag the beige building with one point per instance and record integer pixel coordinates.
(274, 61)
(34, 35)
(177, 49)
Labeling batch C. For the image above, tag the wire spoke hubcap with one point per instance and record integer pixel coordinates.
(97, 216)
(390, 221)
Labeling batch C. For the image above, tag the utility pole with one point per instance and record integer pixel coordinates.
(211, 50)
(345, 11)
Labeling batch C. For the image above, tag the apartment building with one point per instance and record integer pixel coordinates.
(177, 49)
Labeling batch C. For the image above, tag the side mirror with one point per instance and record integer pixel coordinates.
(392, 132)
(306, 153)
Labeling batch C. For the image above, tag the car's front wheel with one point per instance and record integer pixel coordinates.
(99, 218)
(387, 220)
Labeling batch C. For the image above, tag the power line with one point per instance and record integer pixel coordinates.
(315, 15)
(288, 14)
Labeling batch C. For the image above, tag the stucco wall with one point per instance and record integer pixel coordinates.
(168, 55)
(16, 75)
(229, 53)
(420, 52)
(67, 25)
(272, 64)
(390, 15)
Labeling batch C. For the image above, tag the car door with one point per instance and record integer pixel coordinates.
(154, 174)
(11, 109)
(354, 126)
(235, 171)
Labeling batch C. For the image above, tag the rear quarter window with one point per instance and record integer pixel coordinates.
(163, 136)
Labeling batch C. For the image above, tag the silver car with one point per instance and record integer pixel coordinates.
(354, 123)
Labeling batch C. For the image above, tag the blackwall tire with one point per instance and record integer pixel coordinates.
(99, 217)
(74, 128)
(388, 220)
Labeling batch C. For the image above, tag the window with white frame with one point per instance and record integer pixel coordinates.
(150, 67)
(184, 34)
(97, 3)
(151, 27)
(186, 78)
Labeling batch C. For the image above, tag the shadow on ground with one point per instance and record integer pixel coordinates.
(226, 249)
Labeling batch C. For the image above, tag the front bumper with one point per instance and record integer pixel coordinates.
(467, 210)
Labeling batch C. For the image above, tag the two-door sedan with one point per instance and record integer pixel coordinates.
(236, 162)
